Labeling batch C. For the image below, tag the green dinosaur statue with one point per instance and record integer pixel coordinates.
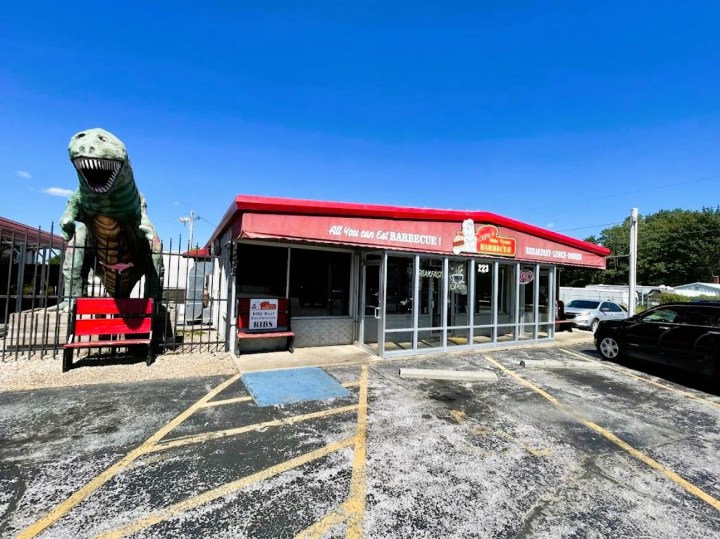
(106, 222)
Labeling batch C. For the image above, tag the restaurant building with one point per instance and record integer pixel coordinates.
(394, 280)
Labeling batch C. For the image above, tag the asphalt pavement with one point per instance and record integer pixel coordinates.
(580, 449)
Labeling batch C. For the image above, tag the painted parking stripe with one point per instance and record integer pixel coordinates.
(78, 496)
(225, 402)
(324, 525)
(351, 511)
(673, 476)
(358, 482)
(223, 490)
(646, 380)
(216, 435)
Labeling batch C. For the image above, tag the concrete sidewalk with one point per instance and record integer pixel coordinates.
(27, 374)
(320, 356)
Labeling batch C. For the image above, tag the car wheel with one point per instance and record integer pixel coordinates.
(594, 325)
(608, 348)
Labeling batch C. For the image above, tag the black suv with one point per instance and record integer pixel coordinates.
(685, 335)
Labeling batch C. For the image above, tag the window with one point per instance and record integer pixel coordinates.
(661, 315)
(429, 295)
(506, 297)
(262, 271)
(399, 292)
(701, 317)
(611, 307)
(582, 304)
(319, 282)
(483, 292)
(457, 292)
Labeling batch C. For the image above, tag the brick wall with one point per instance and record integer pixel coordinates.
(323, 331)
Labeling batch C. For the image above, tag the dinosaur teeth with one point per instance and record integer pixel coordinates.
(98, 174)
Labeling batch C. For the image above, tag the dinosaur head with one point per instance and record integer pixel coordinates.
(99, 158)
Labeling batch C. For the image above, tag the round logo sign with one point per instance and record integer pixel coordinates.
(526, 276)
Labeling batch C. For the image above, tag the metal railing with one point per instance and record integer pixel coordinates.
(189, 315)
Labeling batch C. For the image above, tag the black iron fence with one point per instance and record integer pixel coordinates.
(35, 311)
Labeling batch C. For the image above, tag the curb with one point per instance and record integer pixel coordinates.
(439, 374)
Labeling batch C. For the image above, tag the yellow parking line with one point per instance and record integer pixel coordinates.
(352, 511)
(226, 401)
(65, 506)
(673, 476)
(224, 490)
(647, 381)
(215, 435)
(355, 504)
(325, 524)
(535, 452)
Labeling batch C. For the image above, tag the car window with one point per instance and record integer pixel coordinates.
(701, 317)
(613, 307)
(661, 315)
(583, 304)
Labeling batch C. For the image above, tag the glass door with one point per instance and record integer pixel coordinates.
(371, 312)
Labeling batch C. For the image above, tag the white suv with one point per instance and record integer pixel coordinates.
(588, 313)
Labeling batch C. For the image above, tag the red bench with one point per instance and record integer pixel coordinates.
(255, 331)
(112, 321)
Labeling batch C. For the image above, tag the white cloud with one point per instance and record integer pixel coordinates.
(58, 192)
(24, 174)
(176, 203)
(550, 225)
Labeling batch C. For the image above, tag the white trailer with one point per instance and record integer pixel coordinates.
(617, 295)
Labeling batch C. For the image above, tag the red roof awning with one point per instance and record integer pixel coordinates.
(288, 206)
(197, 253)
(12, 231)
(443, 238)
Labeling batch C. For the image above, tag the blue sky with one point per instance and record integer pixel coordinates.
(561, 114)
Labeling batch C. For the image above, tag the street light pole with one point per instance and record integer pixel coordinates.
(633, 260)
(189, 222)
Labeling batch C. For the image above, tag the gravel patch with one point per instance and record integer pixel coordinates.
(27, 373)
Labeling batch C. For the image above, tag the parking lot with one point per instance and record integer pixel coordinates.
(562, 445)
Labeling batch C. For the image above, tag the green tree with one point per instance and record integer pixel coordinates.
(674, 247)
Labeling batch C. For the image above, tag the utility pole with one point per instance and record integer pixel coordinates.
(189, 222)
(633, 260)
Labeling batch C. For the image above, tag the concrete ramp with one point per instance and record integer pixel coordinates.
(460, 376)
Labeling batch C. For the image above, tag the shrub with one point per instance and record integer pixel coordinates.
(669, 297)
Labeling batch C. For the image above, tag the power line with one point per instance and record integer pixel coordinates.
(643, 223)
(208, 222)
(623, 193)
(590, 226)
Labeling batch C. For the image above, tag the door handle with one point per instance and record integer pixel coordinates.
(664, 327)
(377, 312)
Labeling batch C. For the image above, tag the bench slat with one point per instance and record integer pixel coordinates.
(242, 335)
(112, 326)
(99, 317)
(114, 306)
(106, 344)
